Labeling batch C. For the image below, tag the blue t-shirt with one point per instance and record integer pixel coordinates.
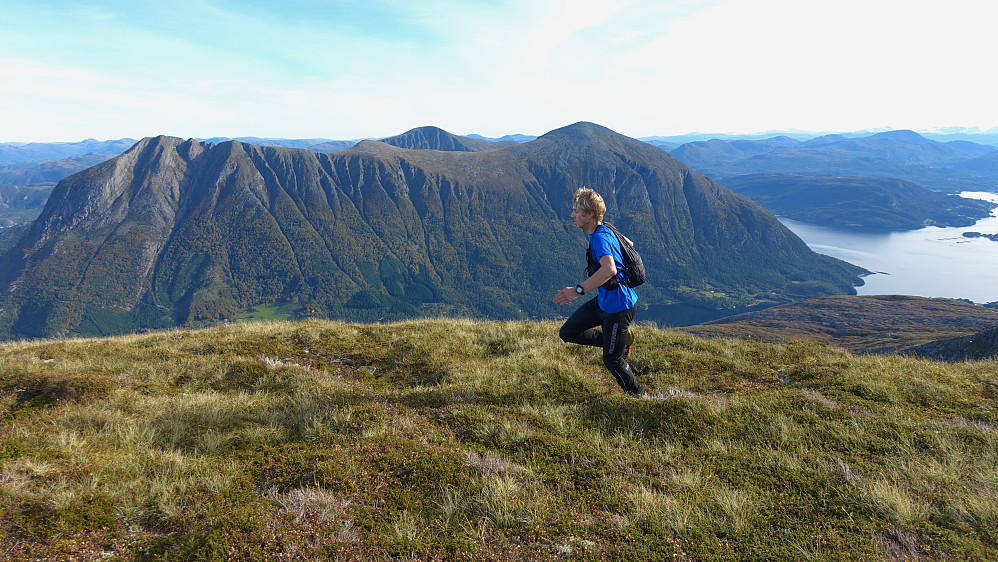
(605, 243)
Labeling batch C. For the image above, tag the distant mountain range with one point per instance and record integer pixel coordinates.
(24, 164)
(933, 166)
(176, 232)
(41, 151)
(870, 204)
(938, 166)
(38, 152)
(974, 135)
(49, 172)
(514, 138)
(315, 145)
(435, 138)
(943, 163)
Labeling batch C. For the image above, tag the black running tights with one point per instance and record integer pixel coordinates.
(589, 325)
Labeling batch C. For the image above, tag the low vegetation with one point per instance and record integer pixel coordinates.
(258, 313)
(863, 324)
(451, 439)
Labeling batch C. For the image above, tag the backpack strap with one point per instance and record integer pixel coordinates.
(592, 265)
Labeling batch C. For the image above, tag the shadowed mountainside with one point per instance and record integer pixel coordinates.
(182, 232)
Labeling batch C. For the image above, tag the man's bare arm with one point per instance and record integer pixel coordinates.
(607, 269)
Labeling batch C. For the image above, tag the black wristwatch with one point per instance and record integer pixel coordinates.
(579, 289)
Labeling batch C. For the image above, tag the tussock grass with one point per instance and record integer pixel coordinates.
(456, 439)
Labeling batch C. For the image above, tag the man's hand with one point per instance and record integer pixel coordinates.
(565, 295)
(607, 270)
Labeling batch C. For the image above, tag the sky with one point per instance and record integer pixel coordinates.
(351, 69)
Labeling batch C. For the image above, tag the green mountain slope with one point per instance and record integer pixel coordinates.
(179, 232)
(462, 440)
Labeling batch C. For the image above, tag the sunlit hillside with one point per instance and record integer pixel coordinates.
(453, 439)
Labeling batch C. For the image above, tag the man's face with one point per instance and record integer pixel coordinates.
(583, 218)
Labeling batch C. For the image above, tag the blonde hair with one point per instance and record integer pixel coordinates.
(588, 201)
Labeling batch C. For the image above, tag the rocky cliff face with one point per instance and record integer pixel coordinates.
(179, 232)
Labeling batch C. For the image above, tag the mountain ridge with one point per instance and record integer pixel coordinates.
(176, 232)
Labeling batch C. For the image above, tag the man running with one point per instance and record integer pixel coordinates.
(605, 320)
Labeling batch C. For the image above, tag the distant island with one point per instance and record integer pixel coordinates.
(993, 237)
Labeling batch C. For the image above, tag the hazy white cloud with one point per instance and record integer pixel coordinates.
(351, 68)
(821, 65)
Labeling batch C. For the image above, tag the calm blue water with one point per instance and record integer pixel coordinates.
(931, 262)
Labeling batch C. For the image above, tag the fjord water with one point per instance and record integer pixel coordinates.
(930, 262)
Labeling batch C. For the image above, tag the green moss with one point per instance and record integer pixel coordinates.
(89, 512)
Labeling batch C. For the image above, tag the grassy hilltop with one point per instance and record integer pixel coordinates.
(451, 439)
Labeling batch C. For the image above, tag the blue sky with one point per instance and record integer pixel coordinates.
(374, 68)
